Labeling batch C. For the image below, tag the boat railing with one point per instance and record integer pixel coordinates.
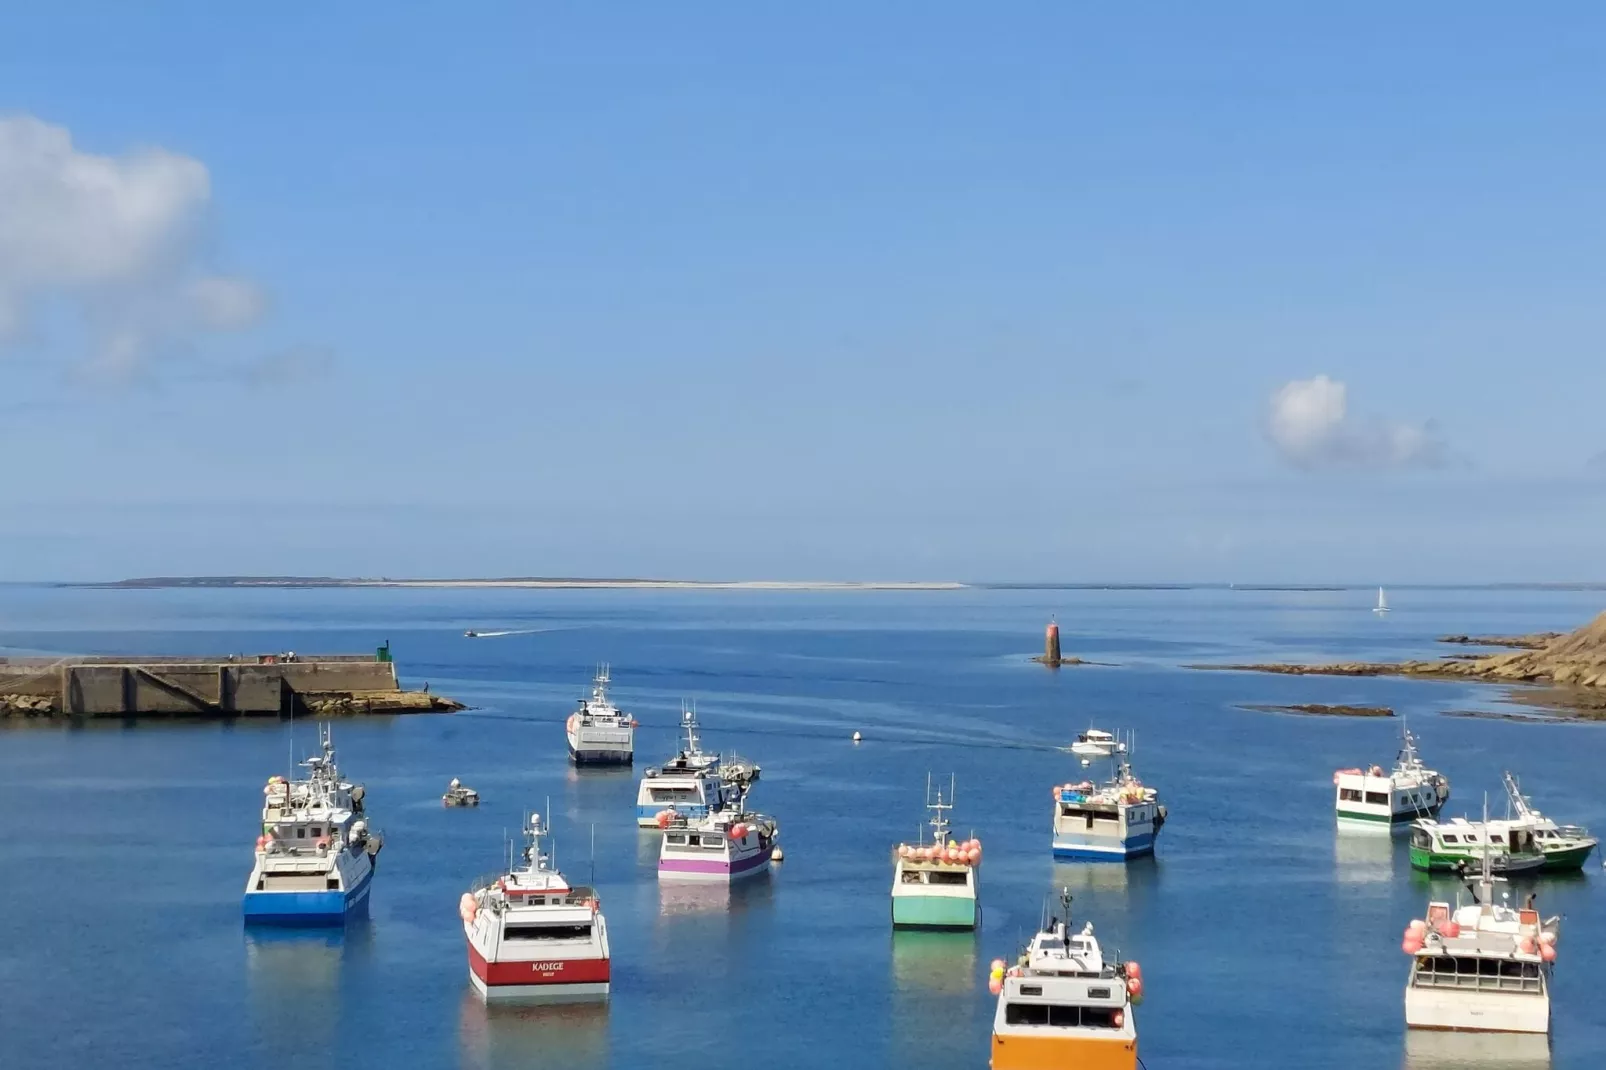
(1528, 980)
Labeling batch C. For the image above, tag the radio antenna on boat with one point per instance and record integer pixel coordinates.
(592, 878)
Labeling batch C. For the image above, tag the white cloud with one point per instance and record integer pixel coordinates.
(116, 239)
(1310, 424)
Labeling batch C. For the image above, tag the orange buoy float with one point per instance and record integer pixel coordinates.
(995, 985)
(1134, 971)
(1547, 952)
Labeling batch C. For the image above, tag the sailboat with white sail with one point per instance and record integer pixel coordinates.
(1382, 603)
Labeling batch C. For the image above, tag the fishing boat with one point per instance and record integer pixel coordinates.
(1095, 743)
(1450, 846)
(934, 883)
(531, 935)
(458, 795)
(471, 634)
(1396, 797)
(1113, 821)
(690, 783)
(1480, 967)
(728, 844)
(315, 856)
(1565, 847)
(599, 733)
(1382, 603)
(1064, 1004)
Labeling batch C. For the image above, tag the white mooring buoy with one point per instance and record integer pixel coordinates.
(776, 855)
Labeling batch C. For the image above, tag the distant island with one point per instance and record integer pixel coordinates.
(148, 582)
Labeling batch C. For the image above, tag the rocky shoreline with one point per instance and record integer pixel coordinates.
(1319, 709)
(1569, 669)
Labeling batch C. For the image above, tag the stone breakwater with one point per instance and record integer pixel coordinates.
(274, 685)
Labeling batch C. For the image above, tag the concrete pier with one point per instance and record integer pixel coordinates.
(232, 686)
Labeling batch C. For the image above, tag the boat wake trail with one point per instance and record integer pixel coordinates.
(511, 631)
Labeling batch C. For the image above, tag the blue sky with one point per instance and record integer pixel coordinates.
(1239, 292)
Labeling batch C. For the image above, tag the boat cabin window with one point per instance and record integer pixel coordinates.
(1349, 794)
(1059, 1015)
(301, 833)
(713, 843)
(676, 839)
(1420, 838)
(1031, 990)
(911, 876)
(943, 876)
(547, 932)
(1380, 798)
(1098, 993)
(1450, 838)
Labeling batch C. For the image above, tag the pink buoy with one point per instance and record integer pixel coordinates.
(1418, 926)
(998, 965)
(973, 856)
(1410, 946)
(1526, 945)
(1134, 970)
(994, 985)
(1119, 1019)
(1451, 929)
(1547, 952)
(1547, 938)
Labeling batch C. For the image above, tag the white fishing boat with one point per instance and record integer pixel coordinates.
(1382, 602)
(1065, 1004)
(690, 783)
(531, 935)
(1480, 967)
(1565, 847)
(599, 733)
(934, 882)
(1452, 846)
(1394, 798)
(458, 794)
(1113, 821)
(1095, 743)
(315, 856)
(729, 844)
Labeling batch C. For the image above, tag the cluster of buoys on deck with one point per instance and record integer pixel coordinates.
(1345, 772)
(1543, 944)
(276, 785)
(959, 854)
(1134, 985)
(468, 908)
(665, 817)
(264, 842)
(1084, 788)
(995, 976)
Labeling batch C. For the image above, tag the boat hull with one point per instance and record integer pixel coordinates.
(1082, 848)
(596, 755)
(1567, 859)
(944, 912)
(1429, 861)
(309, 909)
(1476, 1012)
(1377, 816)
(1026, 1052)
(714, 870)
(552, 981)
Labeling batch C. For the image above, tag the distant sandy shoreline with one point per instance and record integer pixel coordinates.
(668, 585)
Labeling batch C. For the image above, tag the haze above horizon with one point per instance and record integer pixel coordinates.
(1256, 293)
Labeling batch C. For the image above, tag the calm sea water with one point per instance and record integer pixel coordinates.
(1267, 938)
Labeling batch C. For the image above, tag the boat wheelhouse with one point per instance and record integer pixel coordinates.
(1064, 1004)
(1109, 822)
(934, 882)
(1097, 743)
(1394, 797)
(729, 844)
(690, 783)
(533, 936)
(315, 856)
(599, 733)
(1482, 967)
(1449, 846)
(1565, 847)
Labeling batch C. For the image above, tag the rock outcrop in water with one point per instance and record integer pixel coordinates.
(1536, 641)
(1573, 664)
